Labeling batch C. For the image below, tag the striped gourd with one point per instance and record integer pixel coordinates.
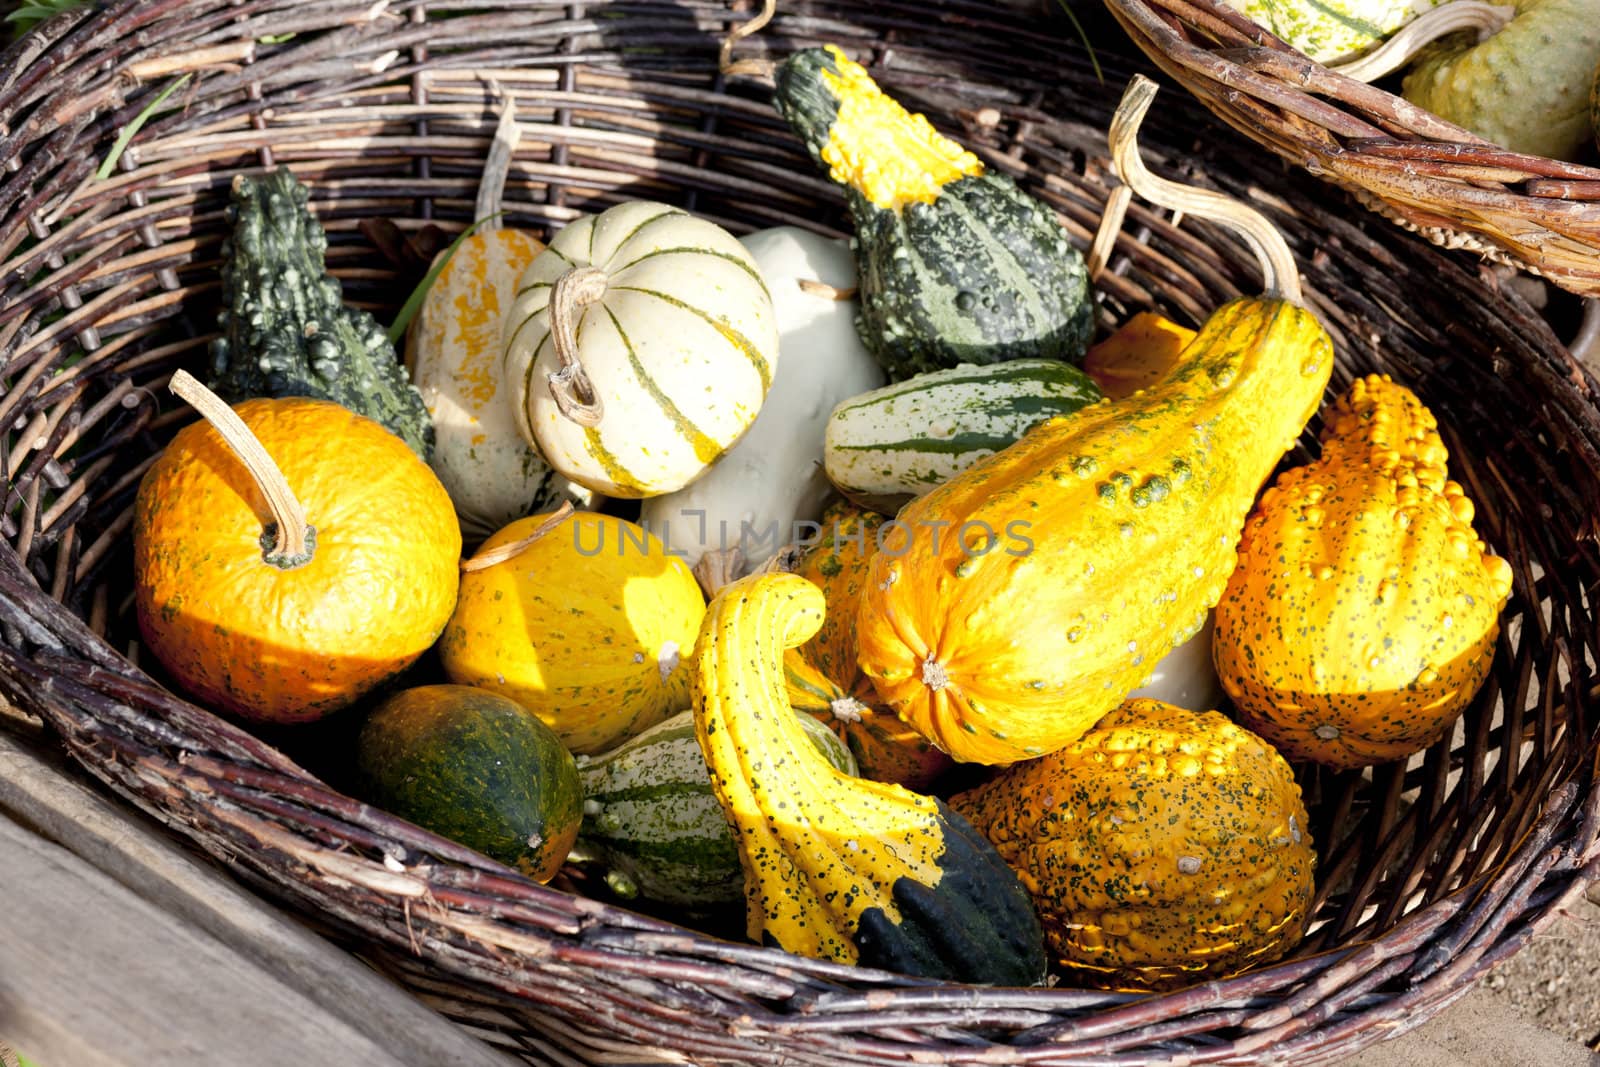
(958, 264)
(453, 353)
(651, 819)
(893, 444)
(640, 348)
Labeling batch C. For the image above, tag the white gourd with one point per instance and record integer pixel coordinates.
(661, 348)
(453, 354)
(773, 478)
(1185, 677)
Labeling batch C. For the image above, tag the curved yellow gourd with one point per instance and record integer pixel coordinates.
(838, 867)
(1163, 848)
(1023, 599)
(1363, 615)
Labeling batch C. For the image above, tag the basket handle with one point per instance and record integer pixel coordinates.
(1279, 275)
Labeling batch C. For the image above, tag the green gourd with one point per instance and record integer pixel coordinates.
(285, 328)
(475, 767)
(651, 819)
(957, 264)
(1524, 87)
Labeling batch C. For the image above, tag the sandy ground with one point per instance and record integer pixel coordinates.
(1554, 982)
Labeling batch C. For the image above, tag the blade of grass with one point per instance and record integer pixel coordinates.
(413, 304)
(133, 127)
(1083, 37)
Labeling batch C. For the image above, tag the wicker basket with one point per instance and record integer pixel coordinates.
(1402, 161)
(1430, 873)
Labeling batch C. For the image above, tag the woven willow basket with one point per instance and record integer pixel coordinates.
(1400, 160)
(1430, 873)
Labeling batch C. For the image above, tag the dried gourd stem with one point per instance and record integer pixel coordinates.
(292, 539)
(1454, 17)
(512, 549)
(823, 289)
(718, 567)
(1105, 238)
(570, 386)
(497, 166)
(1280, 276)
(725, 61)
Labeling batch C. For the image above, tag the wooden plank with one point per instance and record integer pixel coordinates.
(117, 948)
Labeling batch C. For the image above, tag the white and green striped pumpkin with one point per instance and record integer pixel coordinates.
(663, 347)
(1332, 30)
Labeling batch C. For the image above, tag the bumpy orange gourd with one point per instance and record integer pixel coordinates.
(824, 680)
(1026, 597)
(1363, 615)
(292, 641)
(1162, 848)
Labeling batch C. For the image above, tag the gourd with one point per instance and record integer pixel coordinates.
(1594, 104)
(640, 347)
(268, 534)
(1137, 355)
(1330, 30)
(475, 767)
(893, 444)
(1363, 614)
(584, 619)
(285, 329)
(841, 868)
(652, 822)
(823, 677)
(453, 354)
(957, 264)
(772, 479)
(1085, 552)
(1524, 87)
(1163, 848)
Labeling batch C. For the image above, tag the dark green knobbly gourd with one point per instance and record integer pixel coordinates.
(286, 330)
(475, 767)
(957, 264)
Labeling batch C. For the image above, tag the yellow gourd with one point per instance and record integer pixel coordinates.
(1363, 615)
(837, 867)
(1163, 848)
(1023, 599)
(586, 626)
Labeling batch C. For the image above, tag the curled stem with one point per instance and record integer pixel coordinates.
(570, 386)
(1454, 17)
(292, 540)
(512, 549)
(1280, 276)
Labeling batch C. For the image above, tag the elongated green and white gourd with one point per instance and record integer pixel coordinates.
(894, 444)
(772, 479)
(640, 348)
(651, 818)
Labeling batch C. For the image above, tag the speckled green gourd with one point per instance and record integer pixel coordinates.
(285, 328)
(836, 867)
(1027, 596)
(893, 444)
(651, 818)
(1523, 88)
(1163, 848)
(477, 768)
(957, 264)
(1331, 30)
(1363, 614)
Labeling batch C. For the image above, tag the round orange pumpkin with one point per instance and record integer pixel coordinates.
(292, 640)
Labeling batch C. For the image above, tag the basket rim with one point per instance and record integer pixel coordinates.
(1404, 162)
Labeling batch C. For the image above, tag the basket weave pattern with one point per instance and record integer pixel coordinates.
(1429, 875)
(1400, 160)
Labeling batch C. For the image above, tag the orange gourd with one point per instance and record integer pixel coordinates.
(1137, 355)
(1162, 848)
(1363, 614)
(823, 677)
(283, 592)
(1026, 597)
